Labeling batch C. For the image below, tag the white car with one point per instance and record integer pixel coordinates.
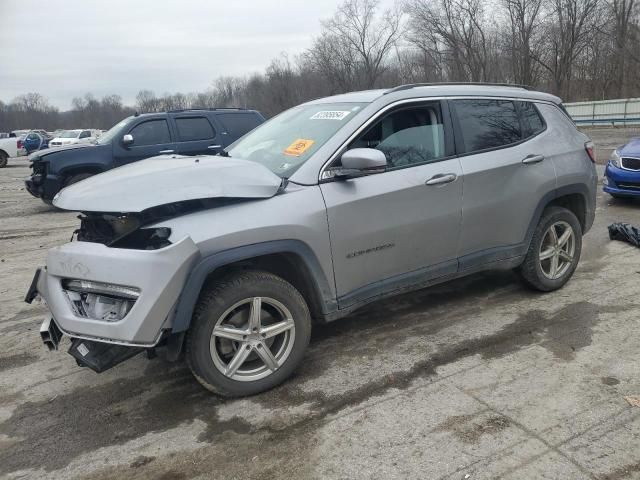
(8, 148)
(71, 137)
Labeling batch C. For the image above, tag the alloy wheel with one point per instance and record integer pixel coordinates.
(557, 250)
(252, 339)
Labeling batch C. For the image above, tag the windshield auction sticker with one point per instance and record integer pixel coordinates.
(298, 147)
(330, 115)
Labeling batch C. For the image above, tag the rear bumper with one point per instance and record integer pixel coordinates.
(159, 275)
(619, 181)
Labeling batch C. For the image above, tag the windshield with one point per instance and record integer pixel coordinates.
(69, 134)
(287, 141)
(114, 131)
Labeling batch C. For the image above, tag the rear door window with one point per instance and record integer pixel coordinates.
(151, 132)
(487, 124)
(239, 123)
(194, 128)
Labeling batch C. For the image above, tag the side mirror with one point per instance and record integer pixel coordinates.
(361, 161)
(127, 140)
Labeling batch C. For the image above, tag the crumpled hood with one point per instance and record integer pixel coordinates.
(36, 156)
(168, 179)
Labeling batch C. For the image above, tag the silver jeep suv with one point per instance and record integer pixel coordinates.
(328, 206)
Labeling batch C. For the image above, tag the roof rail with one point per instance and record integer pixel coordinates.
(205, 109)
(438, 84)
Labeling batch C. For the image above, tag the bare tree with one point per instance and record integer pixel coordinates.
(525, 43)
(578, 49)
(623, 12)
(573, 25)
(355, 45)
(453, 32)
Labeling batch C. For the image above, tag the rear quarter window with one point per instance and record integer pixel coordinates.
(532, 122)
(239, 123)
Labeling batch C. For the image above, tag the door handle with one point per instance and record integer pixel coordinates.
(165, 151)
(212, 147)
(441, 179)
(529, 159)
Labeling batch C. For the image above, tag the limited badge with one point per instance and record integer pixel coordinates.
(298, 147)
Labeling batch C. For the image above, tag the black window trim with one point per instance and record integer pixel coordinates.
(457, 129)
(449, 146)
(520, 115)
(179, 140)
(445, 100)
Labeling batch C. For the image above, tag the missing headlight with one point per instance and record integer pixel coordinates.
(145, 239)
(100, 301)
(121, 231)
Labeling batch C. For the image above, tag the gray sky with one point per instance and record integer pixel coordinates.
(65, 48)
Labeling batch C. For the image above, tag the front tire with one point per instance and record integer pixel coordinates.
(554, 251)
(249, 332)
(76, 178)
(4, 159)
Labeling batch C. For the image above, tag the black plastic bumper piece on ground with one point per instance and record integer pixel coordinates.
(100, 356)
(625, 233)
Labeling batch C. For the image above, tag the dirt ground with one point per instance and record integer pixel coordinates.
(474, 379)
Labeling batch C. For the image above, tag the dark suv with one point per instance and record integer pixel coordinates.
(183, 132)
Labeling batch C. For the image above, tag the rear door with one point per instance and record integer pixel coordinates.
(150, 138)
(506, 175)
(196, 135)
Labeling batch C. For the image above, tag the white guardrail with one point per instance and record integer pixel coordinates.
(625, 111)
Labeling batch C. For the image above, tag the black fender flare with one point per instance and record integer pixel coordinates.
(572, 189)
(207, 265)
(513, 252)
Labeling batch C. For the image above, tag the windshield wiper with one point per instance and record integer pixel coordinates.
(224, 153)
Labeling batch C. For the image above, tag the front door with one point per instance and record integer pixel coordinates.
(401, 226)
(150, 138)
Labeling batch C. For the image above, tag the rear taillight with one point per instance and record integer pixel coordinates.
(588, 146)
(19, 143)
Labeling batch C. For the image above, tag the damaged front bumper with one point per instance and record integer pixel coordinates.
(102, 295)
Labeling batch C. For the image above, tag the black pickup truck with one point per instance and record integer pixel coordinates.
(182, 132)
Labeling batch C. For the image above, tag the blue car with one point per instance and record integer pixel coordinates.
(622, 175)
(34, 141)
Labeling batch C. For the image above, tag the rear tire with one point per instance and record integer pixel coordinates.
(554, 251)
(4, 159)
(233, 351)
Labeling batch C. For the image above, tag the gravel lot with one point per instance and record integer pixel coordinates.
(477, 378)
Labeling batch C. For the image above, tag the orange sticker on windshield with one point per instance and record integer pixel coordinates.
(298, 147)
